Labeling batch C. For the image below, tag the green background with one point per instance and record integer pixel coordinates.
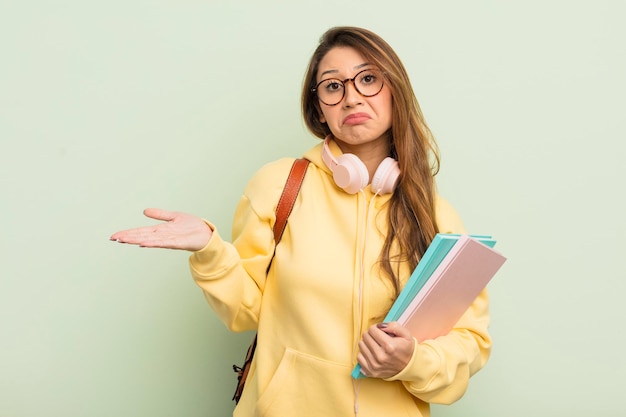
(110, 107)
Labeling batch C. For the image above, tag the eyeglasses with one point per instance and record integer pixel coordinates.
(331, 91)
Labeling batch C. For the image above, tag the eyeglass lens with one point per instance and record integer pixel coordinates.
(368, 83)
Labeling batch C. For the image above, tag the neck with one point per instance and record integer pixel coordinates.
(370, 153)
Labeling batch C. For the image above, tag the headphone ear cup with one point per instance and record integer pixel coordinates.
(386, 176)
(350, 173)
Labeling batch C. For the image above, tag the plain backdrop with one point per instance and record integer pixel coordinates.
(108, 107)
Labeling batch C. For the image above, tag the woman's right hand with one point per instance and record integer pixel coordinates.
(180, 231)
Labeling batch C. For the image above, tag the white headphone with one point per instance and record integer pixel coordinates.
(351, 174)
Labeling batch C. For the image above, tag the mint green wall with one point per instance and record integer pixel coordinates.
(110, 107)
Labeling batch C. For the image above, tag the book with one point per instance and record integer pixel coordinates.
(436, 251)
(452, 273)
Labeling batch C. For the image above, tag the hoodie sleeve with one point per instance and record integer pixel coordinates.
(233, 275)
(440, 369)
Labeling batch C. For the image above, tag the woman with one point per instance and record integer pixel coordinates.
(365, 214)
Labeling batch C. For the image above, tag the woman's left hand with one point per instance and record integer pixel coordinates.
(385, 350)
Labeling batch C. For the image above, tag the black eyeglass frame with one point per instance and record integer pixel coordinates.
(315, 89)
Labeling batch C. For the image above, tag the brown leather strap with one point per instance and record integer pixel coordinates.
(288, 197)
(283, 210)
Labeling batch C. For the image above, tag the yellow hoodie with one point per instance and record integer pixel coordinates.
(323, 290)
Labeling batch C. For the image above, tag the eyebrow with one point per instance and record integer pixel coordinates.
(335, 71)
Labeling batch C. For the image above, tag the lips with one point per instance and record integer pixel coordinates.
(356, 118)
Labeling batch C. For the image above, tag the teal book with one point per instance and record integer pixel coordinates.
(436, 252)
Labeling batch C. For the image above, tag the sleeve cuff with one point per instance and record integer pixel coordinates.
(212, 261)
(424, 357)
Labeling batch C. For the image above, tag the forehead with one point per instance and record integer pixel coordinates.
(340, 61)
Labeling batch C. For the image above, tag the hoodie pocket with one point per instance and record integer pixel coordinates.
(304, 382)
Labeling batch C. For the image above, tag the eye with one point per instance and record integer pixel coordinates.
(368, 78)
(332, 85)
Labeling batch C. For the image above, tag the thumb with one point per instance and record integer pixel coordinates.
(158, 214)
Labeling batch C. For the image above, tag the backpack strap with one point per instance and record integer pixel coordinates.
(288, 197)
(283, 210)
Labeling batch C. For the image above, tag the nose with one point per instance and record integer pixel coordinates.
(351, 94)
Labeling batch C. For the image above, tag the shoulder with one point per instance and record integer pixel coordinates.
(448, 219)
(266, 185)
(271, 176)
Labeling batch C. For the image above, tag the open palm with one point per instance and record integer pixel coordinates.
(179, 231)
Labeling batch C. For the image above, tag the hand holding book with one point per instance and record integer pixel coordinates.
(385, 349)
(452, 273)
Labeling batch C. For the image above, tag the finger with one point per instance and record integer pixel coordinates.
(382, 343)
(374, 362)
(364, 358)
(379, 336)
(372, 351)
(121, 236)
(134, 236)
(158, 214)
(161, 243)
(149, 239)
(395, 329)
(361, 360)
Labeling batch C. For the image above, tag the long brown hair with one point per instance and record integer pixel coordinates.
(411, 216)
